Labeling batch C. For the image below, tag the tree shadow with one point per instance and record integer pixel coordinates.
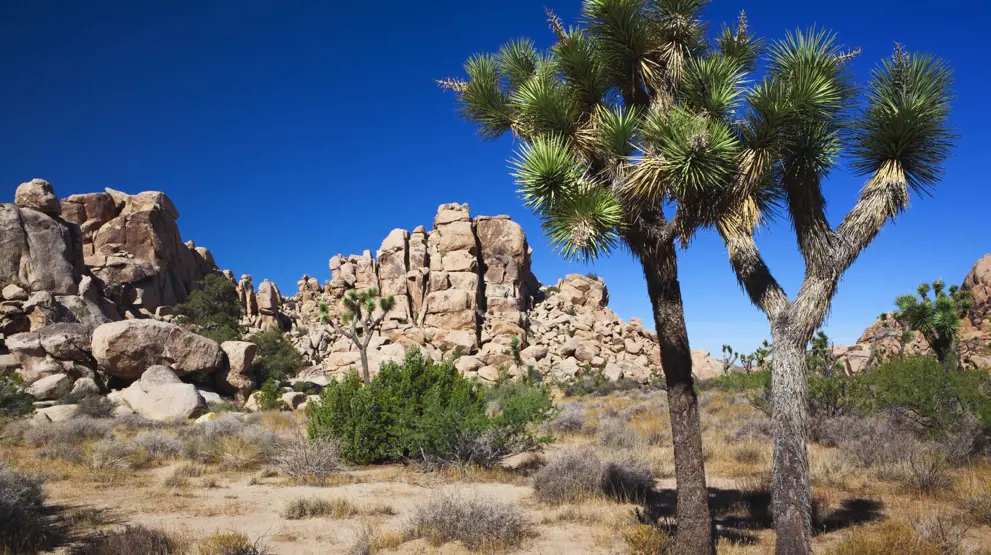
(67, 525)
(739, 513)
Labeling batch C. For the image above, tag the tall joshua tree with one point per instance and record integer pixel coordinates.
(582, 112)
(359, 320)
(776, 142)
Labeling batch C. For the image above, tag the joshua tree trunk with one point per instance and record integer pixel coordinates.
(363, 351)
(660, 266)
(791, 503)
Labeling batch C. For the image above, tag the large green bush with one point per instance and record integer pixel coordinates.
(213, 310)
(932, 394)
(429, 411)
(276, 357)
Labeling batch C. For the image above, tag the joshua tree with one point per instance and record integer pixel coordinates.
(738, 151)
(729, 358)
(359, 321)
(937, 318)
(582, 111)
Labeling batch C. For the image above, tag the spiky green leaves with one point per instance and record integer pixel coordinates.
(695, 153)
(579, 62)
(713, 85)
(546, 172)
(517, 61)
(544, 105)
(739, 45)
(906, 120)
(585, 225)
(483, 99)
(625, 38)
(616, 131)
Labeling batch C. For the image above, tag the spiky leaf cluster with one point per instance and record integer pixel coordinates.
(936, 317)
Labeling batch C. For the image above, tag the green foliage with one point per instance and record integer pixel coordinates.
(276, 358)
(358, 322)
(593, 381)
(428, 411)
(270, 395)
(740, 381)
(934, 396)
(936, 318)
(213, 310)
(14, 401)
(819, 358)
(729, 358)
(514, 349)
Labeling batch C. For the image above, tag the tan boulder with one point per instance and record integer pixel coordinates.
(127, 348)
(238, 378)
(39, 195)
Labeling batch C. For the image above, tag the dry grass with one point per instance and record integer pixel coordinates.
(230, 543)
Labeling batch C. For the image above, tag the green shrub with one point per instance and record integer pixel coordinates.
(14, 401)
(428, 411)
(593, 381)
(270, 395)
(213, 310)
(276, 357)
(934, 396)
(740, 381)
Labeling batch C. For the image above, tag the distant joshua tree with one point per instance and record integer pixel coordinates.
(936, 318)
(359, 322)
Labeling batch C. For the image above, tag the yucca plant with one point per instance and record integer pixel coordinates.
(937, 319)
(636, 111)
(583, 112)
(362, 317)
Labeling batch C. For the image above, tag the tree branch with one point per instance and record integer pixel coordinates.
(752, 272)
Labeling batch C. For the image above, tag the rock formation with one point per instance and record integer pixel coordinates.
(466, 285)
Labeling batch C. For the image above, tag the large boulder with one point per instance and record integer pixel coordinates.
(39, 195)
(238, 378)
(162, 398)
(127, 348)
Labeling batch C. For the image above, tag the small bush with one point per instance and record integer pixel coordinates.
(276, 357)
(14, 401)
(114, 456)
(947, 534)
(132, 539)
(578, 474)
(978, 507)
(477, 522)
(22, 523)
(428, 411)
(885, 539)
(645, 539)
(304, 460)
(270, 395)
(157, 444)
(230, 543)
(930, 471)
(315, 507)
(615, 435)
(593, 381)
(180, 476)
(68, 452)
(95, 406)
(570, 420)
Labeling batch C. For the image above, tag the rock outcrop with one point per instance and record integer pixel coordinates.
(160, 395)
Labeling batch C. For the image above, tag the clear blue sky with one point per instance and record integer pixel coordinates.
(286, 132)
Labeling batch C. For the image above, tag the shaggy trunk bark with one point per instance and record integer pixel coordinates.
(695, 533)
(791, 503)
(363, 351)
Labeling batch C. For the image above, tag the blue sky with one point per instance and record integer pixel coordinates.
(286, 132)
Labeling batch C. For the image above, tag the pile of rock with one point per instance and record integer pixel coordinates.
(91, 258)
(467, 285)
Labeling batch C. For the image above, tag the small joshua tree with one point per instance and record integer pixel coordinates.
(729, 358)
(359, 322)
(936, 318)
